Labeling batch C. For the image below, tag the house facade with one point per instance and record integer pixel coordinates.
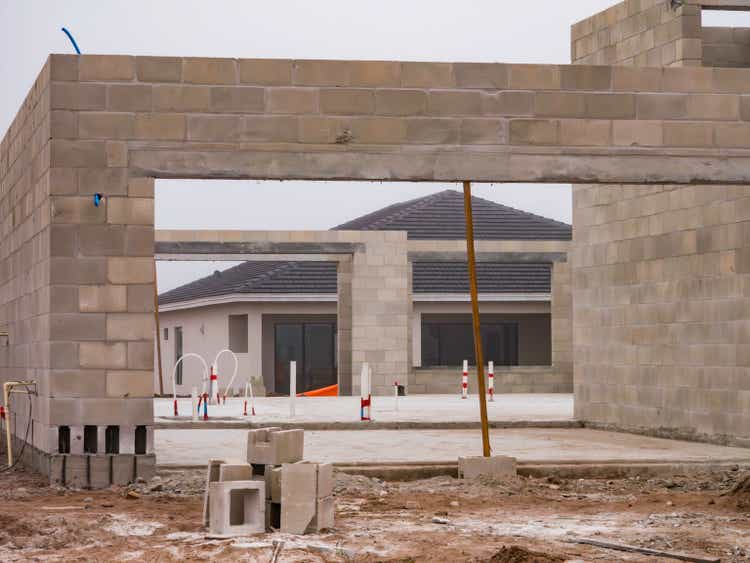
(270, 312)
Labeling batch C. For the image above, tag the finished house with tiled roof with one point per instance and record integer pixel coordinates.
(272, 312)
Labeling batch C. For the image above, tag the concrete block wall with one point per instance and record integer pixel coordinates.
(640, 33)
(117, 122)
(660, 287)
(726, 47)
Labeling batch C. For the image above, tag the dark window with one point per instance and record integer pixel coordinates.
(238, 334)
(313, 346)
(450, 343)
(112, 440)
(140, 440)
(90, 439)
(166, 334)
(178, 353)
(63, 440)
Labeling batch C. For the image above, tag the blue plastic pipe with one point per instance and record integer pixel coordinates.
(73, 41)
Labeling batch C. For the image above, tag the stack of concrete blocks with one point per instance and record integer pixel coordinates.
(273, 490)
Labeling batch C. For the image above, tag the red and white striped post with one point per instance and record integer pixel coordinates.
(213, 386)
(465, 381)
(244, 409)
(491, 376)
(365, 401)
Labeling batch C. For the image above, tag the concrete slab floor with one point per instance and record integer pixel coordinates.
(413, 408)
(529, 445)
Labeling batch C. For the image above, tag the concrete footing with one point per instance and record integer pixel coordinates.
(494, 467)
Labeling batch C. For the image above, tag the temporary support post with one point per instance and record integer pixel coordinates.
(475, 317)
(292, 387)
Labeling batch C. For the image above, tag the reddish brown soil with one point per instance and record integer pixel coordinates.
(441, 519)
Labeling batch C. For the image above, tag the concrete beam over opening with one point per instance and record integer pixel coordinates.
(728, 5)
(508, 257)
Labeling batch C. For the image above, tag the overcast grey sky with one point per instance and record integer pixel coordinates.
(429, 30)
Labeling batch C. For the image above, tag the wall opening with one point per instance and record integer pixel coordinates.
(90, 439)
(141, 436)
(112, 440)
(305, 290)
(63, 440)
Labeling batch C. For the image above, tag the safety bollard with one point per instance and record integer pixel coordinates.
(365, 401)
(491, 377)
(465, 381)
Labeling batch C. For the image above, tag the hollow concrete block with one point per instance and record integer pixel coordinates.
(275, 447)
(145, 466)
(235, 472)
(123, 469)
(478, 466)
(99, 471)
(212, 475)
(306, 501)
(273, 483)
(237, 508)
(56, 469)
(76, 471)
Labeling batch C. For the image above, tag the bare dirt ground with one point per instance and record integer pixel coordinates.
(442, 519)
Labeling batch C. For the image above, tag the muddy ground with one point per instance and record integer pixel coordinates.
(441, 519)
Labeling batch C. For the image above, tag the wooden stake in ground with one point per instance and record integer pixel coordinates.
(475, 318)
(158, 330)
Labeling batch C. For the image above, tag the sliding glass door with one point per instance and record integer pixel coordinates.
(313, 346)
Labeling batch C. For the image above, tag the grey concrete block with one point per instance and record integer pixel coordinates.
(273, 484)
(123, 469)
(235, 472)
(303, 488)
(237, 508)
(298, 497)
(494, 467)
(56, 469)
(275, 447)
(145, 466)
(77, 471)
(325, 514)
(100, 467)
(213, 473)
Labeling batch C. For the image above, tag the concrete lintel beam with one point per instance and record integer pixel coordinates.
(508, 257)
(254, 257)
(729, 5)
(199, 248)
(546, 165)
